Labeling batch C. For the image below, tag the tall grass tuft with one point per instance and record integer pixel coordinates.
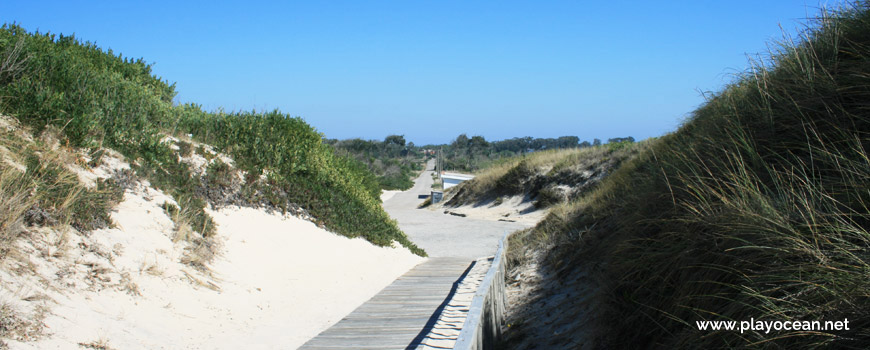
(15, 200)
(42, 191)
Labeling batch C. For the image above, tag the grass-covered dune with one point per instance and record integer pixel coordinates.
(547, 177)
(97, 99)
(758, 207)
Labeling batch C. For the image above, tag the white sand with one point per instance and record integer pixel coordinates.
(512, 209)
(109, 163)
(197, 162)
(386, 195)
(281, 281)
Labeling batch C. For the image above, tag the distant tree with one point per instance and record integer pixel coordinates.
(585, 144)
(537, 144)
(358, 145)
(478, 142)
(620, 139)
(596, 142)
(461, 141)
(468, 154)
(516, 144)
(395, 140)
(568, 141)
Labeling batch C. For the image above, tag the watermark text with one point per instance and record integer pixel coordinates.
(768, 326)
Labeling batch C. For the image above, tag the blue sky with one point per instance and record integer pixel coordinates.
(431, 70)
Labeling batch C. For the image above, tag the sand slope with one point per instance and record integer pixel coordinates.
(279, 281)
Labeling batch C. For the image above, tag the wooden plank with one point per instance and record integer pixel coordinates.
(395, 317)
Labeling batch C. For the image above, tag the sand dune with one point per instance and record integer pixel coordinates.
(279, 281)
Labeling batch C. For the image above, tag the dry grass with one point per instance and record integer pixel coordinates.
(151, 268)
(200, 250)
(15, 200)
(542, 161)
(200, 282)
(99, 344)
(15, 189)
(181, 219)
(539, 175)
(127, 285)
(21, 326)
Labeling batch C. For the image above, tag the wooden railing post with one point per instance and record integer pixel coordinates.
(482, 327)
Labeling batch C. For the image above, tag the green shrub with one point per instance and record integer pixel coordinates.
(185, 149)
(200, 150)
(397, 181)
(393, 164)
(92, 96)
(220, 174)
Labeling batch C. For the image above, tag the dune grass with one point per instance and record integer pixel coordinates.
(531, 174)
(15, 200)
(756, 208)
(45, 192)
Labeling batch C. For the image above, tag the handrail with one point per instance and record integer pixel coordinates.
(482, 327)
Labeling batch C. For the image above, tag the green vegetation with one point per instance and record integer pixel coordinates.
(98, 99)
(473, 154)
(394, 163)
(300, 169)
(756, 208)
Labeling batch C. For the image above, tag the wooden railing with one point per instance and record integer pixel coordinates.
(482, 328)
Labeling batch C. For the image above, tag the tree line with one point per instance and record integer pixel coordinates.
(473, 153)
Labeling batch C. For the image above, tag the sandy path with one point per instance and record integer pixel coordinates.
(444, 235)
(451, 238)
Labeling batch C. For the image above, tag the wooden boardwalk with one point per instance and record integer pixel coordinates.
(400, 316)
